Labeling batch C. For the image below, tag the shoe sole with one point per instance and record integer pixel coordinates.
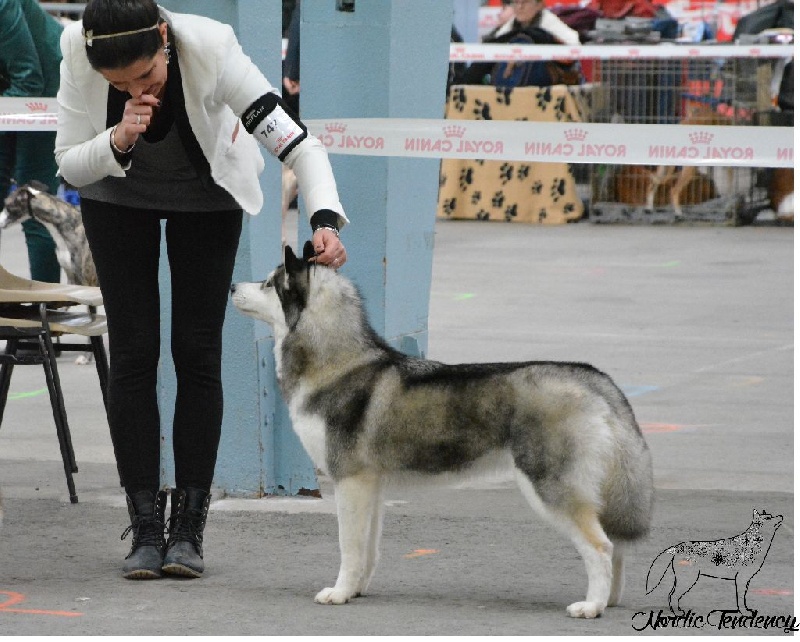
(181, 570)
(142, 574)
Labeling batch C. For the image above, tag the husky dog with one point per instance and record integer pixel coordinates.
(736, 558)
(64, 223)
(366, 412)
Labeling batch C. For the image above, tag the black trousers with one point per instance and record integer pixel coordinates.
(201, 249)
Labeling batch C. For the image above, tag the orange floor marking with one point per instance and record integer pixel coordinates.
(768, 591)
(659, 427)
(420, 552)
(19, 598)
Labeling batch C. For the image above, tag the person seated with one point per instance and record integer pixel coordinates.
(531, 23)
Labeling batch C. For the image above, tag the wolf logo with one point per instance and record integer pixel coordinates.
(736, 558)
(367, 413)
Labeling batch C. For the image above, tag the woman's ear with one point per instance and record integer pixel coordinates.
(162, 28)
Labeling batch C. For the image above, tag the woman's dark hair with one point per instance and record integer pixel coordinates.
(116, 16)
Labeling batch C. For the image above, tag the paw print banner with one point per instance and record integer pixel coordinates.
(511, 189)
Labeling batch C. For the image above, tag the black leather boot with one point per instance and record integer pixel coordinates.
(187, 520)
(147, 525)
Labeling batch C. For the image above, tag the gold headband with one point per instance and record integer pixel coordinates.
(89, 36)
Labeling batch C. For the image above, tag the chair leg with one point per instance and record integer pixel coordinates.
(59, 412)
(6, 370)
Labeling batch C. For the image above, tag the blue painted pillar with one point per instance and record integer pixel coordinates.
(259, 453)
(385, 59)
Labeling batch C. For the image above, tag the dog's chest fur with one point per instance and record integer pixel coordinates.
(310, 428)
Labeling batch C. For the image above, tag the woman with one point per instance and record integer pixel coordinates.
(531, 23)
(159, 114)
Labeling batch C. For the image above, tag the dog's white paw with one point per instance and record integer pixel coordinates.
(82, 360)
(586, 610)
(332, 596)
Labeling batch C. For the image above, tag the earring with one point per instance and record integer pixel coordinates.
(167, 52)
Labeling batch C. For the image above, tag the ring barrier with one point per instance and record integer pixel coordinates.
(727, 146)
(529, 141)
(469, 52)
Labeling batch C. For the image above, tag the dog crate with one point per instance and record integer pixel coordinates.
(680, 90)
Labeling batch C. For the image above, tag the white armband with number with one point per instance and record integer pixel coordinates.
(274, 125)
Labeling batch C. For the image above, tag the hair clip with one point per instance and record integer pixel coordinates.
(88, 35)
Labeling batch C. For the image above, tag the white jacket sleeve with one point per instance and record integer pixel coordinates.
(240, 84)
(560, 29)
(83, 155)
(315, 181)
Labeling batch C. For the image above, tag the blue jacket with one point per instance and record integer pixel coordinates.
(29, 49)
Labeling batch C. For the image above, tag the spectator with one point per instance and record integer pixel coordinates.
(291, 64)
(531, 23)
(29, 62)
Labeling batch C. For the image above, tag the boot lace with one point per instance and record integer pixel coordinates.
(186, 527)
(147, 531)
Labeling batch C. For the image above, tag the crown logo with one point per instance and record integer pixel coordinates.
(701, 138)
(576, 134)
(36, 106)
(335, 128)
(454, 131)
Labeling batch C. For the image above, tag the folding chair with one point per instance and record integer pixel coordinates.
(31, 314)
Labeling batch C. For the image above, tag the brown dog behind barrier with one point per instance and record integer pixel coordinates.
(680, 180)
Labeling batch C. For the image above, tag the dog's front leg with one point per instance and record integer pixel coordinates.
(356, 501)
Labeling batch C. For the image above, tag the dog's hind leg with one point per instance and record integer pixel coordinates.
(617, 574)
(356, 501)
(597, 552)
(581, 522)
(373, 540)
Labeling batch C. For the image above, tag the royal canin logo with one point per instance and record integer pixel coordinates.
(36, 106)
(575, 134)
(701, 138)
(336, 128)
(454, 131)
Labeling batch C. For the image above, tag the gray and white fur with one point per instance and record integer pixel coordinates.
(367, 413)
(64, 223)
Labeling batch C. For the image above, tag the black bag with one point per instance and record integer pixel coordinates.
(535, 73)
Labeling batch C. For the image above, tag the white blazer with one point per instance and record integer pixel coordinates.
(219, 83)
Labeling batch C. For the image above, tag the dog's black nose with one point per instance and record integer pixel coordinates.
(233, 288)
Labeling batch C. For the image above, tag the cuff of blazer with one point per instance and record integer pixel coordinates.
(90, 161)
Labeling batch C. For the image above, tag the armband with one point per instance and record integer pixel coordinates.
(274, 125)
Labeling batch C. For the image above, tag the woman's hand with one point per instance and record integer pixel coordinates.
(329, 248)
(136, 119)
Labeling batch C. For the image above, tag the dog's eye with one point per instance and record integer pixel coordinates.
(267, 284)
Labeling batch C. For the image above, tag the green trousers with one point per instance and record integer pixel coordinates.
(27, 156)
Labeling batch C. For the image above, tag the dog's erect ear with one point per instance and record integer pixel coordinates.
(38, 185)
(308, 251)
(291, 262)
(288, 255)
